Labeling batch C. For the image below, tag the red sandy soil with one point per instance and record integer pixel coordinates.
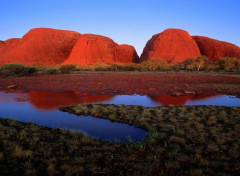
(129, 83)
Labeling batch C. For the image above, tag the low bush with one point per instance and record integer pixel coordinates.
(68, 68)
(16, 70)
(154, 64)
(51, 70)
(231, 63)
(39, 66)
(99, 66)
(124, 67)
(192, 64)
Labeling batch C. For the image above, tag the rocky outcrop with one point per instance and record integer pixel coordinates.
(3, 46)
(126, 54)
(91, 49)
(172, 45)
(12, 41)
(215, 49)
(42, 45)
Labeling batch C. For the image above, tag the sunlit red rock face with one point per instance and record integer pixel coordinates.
(215, 49)
(91, 49)
(3, 46)
(44, 45)
(52, 100)
(179, 100)
(12, 41)
(172, 45)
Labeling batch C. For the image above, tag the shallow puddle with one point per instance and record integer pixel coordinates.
(41, 108)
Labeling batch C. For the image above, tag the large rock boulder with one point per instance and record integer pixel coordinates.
(91, 49)
(172, 45)
(215, 49)
(42, 45)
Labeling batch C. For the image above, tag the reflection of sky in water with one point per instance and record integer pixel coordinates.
(221, 100)
(147, 101)
(101, 128)
(23, 107)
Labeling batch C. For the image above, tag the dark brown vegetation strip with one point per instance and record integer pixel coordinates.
(182, 140)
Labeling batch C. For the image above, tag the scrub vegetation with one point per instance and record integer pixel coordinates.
(154, 64)
(182, 140)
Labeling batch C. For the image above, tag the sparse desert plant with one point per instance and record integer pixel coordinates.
(100, 66)
(124, 67)
(39, 66)
(16, 70)
(229, 63)
(154, 64)
(192, 64)
(68, 68)
(51, 70)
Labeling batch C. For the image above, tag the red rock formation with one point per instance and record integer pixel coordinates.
(3, 46)
(179, 100)
(172, 45)
(53, 100)
(12, 41)
(215, 49)
(126, 54)
(44, 45)
(91, 49)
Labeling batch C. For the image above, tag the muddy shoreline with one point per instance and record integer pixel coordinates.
(129, 83)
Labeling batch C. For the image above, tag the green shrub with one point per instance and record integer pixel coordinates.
(68, 68)
(210, 66)
(99, 66)
(51, 70)
(16, 70)
(154, 64)
(229, 63)
(124, 67)
(39, 66)
(193, 64)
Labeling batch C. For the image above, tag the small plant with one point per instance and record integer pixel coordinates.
(51, 70)
(16, 70)
(229, 63)
(68, 68)
(39, 66)
(101, 67)
(154, 64)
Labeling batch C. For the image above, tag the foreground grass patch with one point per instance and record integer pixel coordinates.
(182, 140)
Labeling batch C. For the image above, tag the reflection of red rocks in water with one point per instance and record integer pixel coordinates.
(53, 100)
(180, 100)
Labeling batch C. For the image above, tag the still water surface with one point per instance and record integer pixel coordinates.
(41, 108)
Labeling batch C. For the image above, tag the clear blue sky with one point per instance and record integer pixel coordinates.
(125, 21)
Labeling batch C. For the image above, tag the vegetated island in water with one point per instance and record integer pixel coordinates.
(181, 140)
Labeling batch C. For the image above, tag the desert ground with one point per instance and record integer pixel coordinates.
(147, 83)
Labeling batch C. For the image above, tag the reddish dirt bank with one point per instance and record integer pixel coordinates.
(129, 83)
